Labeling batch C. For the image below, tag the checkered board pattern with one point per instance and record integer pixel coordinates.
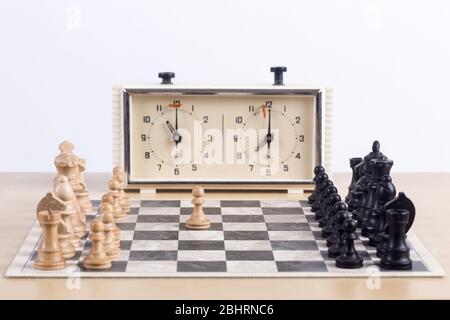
(247, 238)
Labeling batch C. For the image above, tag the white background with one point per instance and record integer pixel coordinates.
(389, 62)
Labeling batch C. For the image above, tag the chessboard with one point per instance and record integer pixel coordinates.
(247, 238)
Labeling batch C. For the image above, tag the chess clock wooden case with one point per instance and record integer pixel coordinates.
(171, 136)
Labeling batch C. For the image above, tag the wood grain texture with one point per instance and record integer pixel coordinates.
(20, 193)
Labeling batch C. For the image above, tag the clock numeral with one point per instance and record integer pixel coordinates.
(238, 119)
(285, 167)
(205, 119)
(159, 166)
(268, 172)
(194, 167)
(297, 120)
(176, 102)
(251, 167)
(269, 104)
(192, 108)
(143, 137)
(158, 107)
(297, 156)
(284, 108)
(205, 156)
(176, 171)
(301, 138)
(146, 119)
(147, 155)
(235, 138)
(209, 138)
(251, 108)
(239, 155)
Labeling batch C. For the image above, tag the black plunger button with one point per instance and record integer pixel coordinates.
(166, 77)
(278, 75)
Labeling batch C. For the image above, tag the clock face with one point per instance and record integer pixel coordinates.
(221, 138)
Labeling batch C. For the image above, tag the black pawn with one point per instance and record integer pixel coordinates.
(334, 233)
(324, 202)
(322, 186)
(331, 224)
(349, 257)
(336, 248)
(317, 171)
(396, 255)
(331, 200)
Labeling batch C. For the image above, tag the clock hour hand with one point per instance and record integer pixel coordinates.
(175, 136)
(267, 140)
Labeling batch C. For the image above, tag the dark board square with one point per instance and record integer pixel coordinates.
(200, 245)
(288, 210)
(158, 218)
(160, 203)
(90, 218)
(125, 226)
(239, 203)
(304, 204)
(125, 244)
(214, 227)
(243, 218)
(256, 255)
(301, 266)
(246, 235)
(155, 235)
(294, 245)
(151, 255)
(311, 219)
(133, 211)
(95, 203)
(206, 210)
(201, 266)
(116, 266)
(417, 266)
(288, 227)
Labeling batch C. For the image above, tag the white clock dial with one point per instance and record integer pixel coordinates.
(200, 137)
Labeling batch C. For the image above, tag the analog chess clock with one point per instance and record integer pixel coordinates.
(170, 135)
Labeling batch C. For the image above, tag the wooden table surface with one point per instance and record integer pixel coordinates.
(19, 193)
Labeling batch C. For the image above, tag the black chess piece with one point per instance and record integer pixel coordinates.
(396, 255)
(317, 171)
(335, 249)
(354, 203)
(400, 202)
(367, 207)
(374, 223)
(365, 183)
(331, 200)
(349, 257)
(331, 224)
(324, 204)
(355, 177)
(326, 182)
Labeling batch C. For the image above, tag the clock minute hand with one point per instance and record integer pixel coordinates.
(269, 134)
(261, 144)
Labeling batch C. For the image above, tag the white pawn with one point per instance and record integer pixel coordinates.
(107, 208)
(97, 257)
(198, 219)
(110, 244)
(114, 186)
